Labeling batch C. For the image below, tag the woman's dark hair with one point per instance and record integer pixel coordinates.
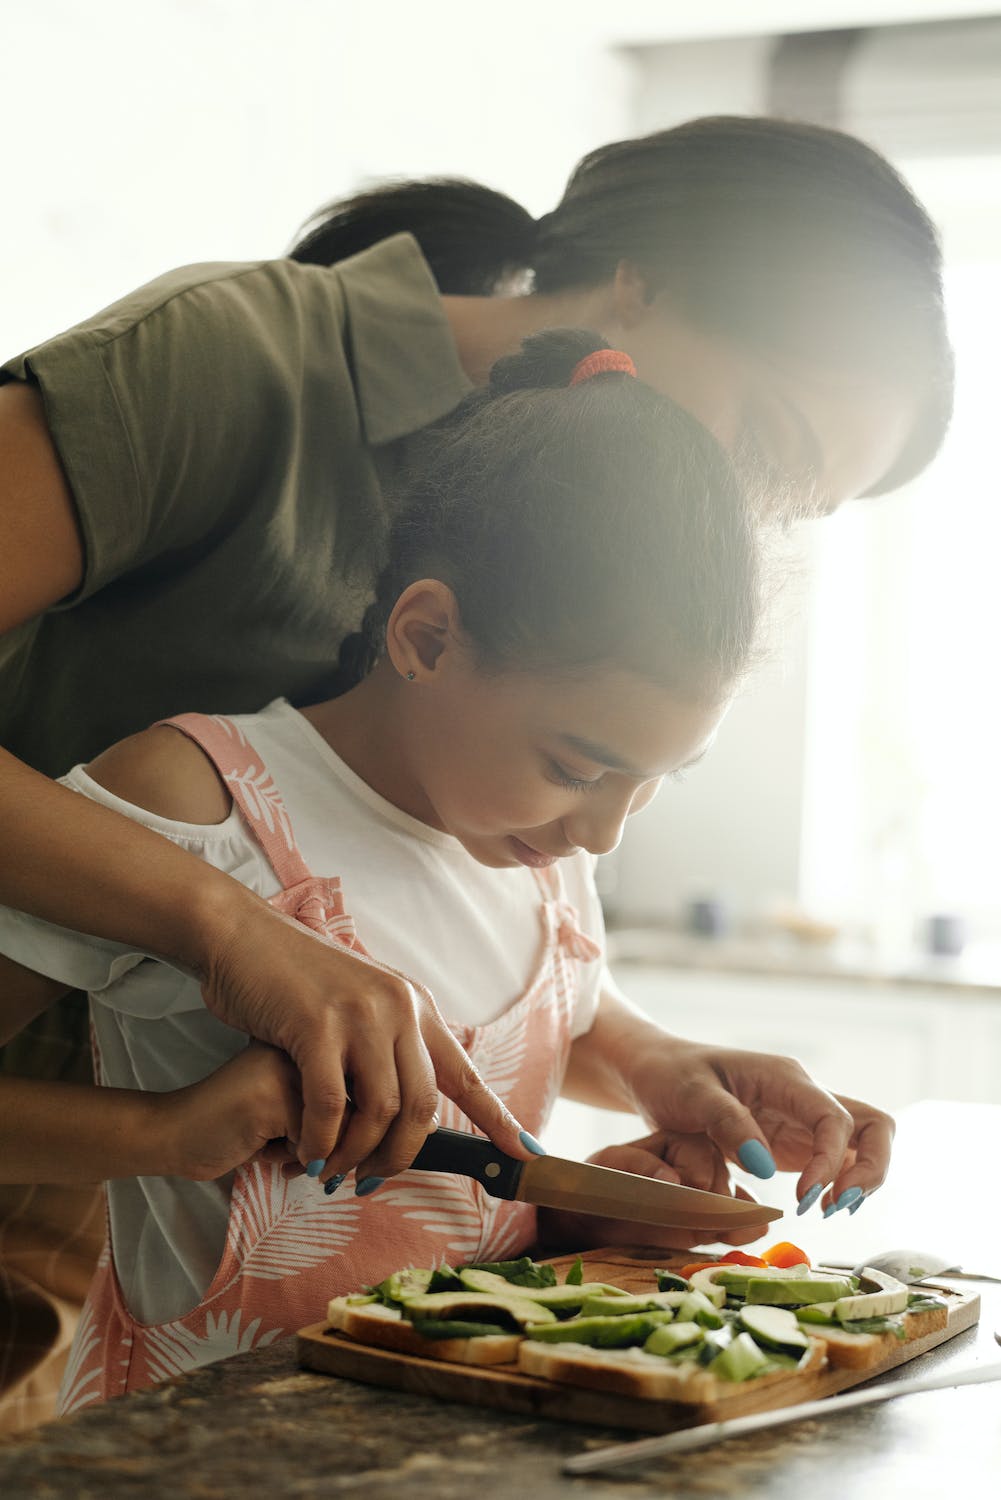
(780, 234)
(576, 526)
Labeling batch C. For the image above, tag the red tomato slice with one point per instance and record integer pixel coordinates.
(738, 1258)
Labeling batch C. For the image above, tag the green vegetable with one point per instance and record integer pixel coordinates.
(667, 1281)
(602, 1305)
(510, 1311)
(922, 1301)
(522, 1272)
(600, 1333)
(816, 1314)
(672, 1337)
(775, 1329)
(575, 1275)
(779, 1293)
(402, 1285)
(696, 1307)
(889, 1324)
(444, 1279)
(740, 1360)
(455, 1328)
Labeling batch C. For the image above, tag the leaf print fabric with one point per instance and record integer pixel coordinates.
(289, 1248)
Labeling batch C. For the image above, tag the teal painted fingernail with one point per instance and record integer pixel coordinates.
(856, 1206)
(756, 1158)
(531, 1144)
(316, 1166)
(334, 1183)
(847, 1198)
(368, 1185)
(810, 1197)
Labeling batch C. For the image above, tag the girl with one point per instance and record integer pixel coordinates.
(193, 504)
(569, 600)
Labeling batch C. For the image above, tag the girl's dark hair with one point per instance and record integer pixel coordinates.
(577, 526)
(779, 234)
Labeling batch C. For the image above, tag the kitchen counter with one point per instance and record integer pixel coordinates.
(255, 1425)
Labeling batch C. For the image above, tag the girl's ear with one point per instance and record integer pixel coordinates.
(424, 630)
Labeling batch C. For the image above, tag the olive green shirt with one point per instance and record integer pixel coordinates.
(229, 433)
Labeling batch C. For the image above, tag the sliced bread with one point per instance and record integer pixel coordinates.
(386, 1328)
(633, 1372)
(860, 1351)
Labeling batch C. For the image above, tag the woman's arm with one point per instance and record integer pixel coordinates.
(82, 866)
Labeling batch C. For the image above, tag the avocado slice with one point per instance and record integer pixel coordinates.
(668, 1281)
(398, 1288)
(696, 1307)
(523, 1272)
(775, 1328)
(510, 1311)
(456, 1328)
(601, 1333)
(781, 1293)
(601, 1305)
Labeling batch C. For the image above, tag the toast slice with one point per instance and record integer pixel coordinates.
(859, 1351)
(634, 1373)
(388, 1329)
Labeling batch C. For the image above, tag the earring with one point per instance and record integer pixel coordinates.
(411, 676)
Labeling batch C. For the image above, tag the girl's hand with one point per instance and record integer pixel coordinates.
(766, 1113)
(250, 1106)
(371, 1048)
(670, 1157)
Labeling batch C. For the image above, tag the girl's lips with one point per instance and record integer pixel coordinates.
(526, 855)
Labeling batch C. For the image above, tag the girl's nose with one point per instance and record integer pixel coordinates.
(598, 827)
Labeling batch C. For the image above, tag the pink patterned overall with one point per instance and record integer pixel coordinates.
(289, 1247)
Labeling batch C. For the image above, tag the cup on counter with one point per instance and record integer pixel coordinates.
(945, 934)
(707, 916)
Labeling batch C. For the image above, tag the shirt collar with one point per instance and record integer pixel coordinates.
(406, 367)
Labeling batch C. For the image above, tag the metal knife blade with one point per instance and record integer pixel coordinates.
(584, 1188)
(580, 1187)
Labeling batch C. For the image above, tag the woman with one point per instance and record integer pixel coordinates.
(186, 474)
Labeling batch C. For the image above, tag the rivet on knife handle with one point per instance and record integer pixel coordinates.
(470, 1156)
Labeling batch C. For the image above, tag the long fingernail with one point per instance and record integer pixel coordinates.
(848, 1197)
(854, 1208)
(756, 1158)
(368, 1185)
(334, 1183)
(316, 1166)
(810, 1197)
(530, 1143)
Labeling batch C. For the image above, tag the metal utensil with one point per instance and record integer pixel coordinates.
(582, 1188)
(912, 1266)
(719, 1432)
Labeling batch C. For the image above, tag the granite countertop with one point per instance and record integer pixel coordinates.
(255, 1425)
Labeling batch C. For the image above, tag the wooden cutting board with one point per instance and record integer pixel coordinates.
(504, 1388)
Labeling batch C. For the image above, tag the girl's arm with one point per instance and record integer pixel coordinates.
(712, 1105)
(79, 865)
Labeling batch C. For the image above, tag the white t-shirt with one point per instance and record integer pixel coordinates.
(420, 903)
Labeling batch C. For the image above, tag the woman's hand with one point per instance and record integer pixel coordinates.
(669, 1157)
(371, 1048)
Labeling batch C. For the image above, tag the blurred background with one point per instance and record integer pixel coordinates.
(827, 883)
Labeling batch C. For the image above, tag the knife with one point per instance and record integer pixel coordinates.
(582, 1188)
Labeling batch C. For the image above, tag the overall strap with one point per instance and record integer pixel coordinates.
(251, 786)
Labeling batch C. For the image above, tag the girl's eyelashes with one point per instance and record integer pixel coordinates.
(563, 778)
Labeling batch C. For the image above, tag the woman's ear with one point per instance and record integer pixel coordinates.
(633, 294)
(424, 629)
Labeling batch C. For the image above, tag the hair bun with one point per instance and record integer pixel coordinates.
(546, 359)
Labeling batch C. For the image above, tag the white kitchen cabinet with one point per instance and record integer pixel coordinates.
(890, 1043)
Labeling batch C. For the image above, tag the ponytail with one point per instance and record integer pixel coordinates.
(474, 239)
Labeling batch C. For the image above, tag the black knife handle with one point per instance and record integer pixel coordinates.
(470, 1156)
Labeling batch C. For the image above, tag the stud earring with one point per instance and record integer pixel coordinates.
(411, 676)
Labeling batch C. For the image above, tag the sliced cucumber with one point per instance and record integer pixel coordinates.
(740, 1360)
(673, 1336)
(697, 1308)
(774, 1328)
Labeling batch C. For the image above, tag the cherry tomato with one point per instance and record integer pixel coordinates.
(785, 1254)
